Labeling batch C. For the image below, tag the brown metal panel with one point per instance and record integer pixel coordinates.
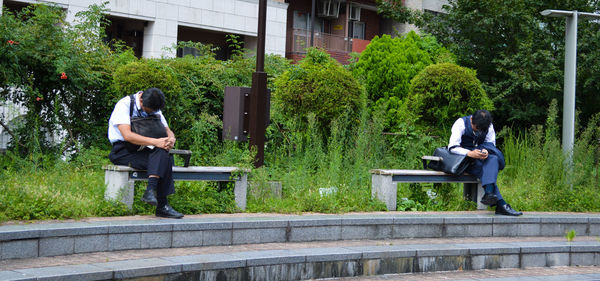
(234, 113)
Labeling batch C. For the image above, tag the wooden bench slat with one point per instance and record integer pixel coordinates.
(407, 172)
(190, 169)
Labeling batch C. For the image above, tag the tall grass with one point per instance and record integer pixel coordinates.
(538, 176)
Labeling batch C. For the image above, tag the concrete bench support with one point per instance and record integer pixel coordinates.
(119, 180)
(384, 184)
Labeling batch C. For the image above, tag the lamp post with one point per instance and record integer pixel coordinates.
(568, 136)
(258, 94)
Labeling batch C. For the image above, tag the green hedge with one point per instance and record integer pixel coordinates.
(441, 93)
(317, 85)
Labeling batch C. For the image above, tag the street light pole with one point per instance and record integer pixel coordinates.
(568, 138)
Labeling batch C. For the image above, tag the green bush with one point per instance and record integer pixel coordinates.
(319, 85)
(387, 66)
(441, 93)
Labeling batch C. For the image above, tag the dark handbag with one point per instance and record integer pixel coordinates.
(449, 162)
(150, 126)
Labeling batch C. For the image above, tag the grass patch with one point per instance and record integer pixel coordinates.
(326, 173)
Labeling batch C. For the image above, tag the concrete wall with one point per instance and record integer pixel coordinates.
(163, 17)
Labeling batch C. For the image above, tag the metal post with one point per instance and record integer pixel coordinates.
(569, 90)
(258, 94)
(312, 23)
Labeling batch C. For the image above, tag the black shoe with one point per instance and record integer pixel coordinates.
(150, 197)
(168, 212)
(507, 210)
(489, 199)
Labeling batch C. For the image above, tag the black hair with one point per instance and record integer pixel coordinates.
(153, 98)
(482, 119)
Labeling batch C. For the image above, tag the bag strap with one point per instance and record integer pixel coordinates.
(131, 105)
(452, 147)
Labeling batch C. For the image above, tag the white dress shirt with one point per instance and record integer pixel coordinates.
(458, 129)
(120, 115)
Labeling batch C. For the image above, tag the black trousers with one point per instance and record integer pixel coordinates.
(156, 161)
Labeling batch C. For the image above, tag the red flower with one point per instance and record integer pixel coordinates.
(11, 42)
(38, 99)
(63, 76)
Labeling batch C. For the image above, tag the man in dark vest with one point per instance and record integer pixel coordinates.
(152, 154)
(475, 136)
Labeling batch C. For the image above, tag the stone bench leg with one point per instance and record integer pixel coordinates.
(240, 190)
(119, 187)
(384, 189)
(474, 192)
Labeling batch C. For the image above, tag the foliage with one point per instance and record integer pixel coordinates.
(317, 85)
(58, 72)
(193, 86)
(537, 176)
(387, 66)
(441, 93)
(519, 54)
(570, 235)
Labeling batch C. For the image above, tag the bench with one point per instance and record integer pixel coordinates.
(384, 184)
(119, 180)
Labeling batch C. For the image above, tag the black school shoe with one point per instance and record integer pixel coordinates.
(168, 212)
(150, 197)
(489, 199)
(507, 210)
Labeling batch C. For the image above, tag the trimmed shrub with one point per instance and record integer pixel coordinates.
(388, 64)
(441, 93)
(318, 85)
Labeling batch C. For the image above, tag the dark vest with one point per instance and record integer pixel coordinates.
(469, 139)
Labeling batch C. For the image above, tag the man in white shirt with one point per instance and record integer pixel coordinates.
(475, 137)
(144, 153)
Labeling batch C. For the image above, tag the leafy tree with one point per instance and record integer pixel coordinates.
(57, 72)
(517, 52)
(441, 93)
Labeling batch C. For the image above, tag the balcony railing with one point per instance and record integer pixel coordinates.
(326, 41)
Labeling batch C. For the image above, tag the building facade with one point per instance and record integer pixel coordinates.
(151, 26)
(343, 26)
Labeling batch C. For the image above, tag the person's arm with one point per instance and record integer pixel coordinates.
(170, 138)
(457, 131)
(138, 139)
(491, 135)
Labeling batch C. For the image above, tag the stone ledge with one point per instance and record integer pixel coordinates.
(318, 262)
(85, 237)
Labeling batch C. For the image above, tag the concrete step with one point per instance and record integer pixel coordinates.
(55, 239)
(560, 273)
(302, 261)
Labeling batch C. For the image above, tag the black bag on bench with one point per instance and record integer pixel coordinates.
(450, 163)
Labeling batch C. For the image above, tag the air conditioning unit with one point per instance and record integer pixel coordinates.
(354, 13)
(328, 9)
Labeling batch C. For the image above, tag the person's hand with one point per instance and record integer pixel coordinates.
(162, 143)
(171, 142)
(478, 154)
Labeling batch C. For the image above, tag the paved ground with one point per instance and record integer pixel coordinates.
(249, 215)
(567, 273)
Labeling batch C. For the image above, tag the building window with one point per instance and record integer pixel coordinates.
(357, 30)
(302, 21)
